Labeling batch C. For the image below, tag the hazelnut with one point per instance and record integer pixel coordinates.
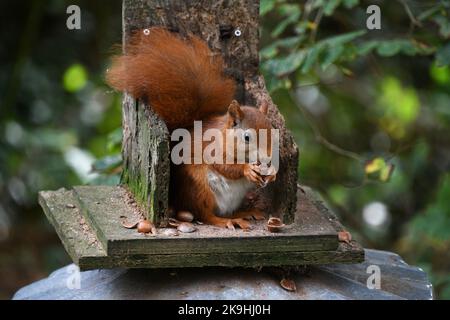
(185, 216)
(145, 226)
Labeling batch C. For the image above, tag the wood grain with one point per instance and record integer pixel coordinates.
(311, 240)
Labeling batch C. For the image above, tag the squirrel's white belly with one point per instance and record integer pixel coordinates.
(229, 193)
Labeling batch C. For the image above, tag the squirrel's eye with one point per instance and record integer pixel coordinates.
(247, 137)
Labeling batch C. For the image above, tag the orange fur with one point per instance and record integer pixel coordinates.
(190, 189)
(183, 81)
(180, 78)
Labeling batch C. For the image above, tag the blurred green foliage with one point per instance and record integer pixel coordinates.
(370, 110)
(75, 78)
(56, 117)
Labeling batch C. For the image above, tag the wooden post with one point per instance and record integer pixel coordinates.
(231, 28)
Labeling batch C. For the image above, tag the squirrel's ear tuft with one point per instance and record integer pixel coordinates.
(235, 114)
(264, 107)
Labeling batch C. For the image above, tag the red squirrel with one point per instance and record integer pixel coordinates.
(183, 81)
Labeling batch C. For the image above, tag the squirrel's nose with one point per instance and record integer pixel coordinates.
(266, 161)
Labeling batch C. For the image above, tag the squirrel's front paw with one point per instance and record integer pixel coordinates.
(252, 173)
(269, 179)
(269, 174)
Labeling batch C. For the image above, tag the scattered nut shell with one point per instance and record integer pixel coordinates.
(128, 225)
(186, 227)
(345, 236)
(174, 222)
(185, 216)
(170, 232)
(146, 226)
(288, 284)
(275, 225)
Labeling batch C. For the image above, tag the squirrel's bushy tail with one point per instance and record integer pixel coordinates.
(180, 78)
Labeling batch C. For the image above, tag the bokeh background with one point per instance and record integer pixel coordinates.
(370, 110)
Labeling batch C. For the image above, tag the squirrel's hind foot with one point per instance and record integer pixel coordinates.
(228, 223)
(256, 214)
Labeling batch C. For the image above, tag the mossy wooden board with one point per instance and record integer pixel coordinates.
(64, 211)
(77, 237)
(103, 207)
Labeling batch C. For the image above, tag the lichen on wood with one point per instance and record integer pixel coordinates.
(146, 157)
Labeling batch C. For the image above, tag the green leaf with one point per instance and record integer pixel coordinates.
(289, 42)
(343, 38)
(379, 169)
(52, 139)
(335, 48)
(301, 27)
(402, 103)
(338, 194)
(106, 180)
(293, 15)
(428, 13)
(331, 55)
(367, 47)
(311, 58)
(444, 25)
(272, 50)
(350, 3)
(285, 65)
(330, 6)
(114, 139)
(274, 83)
(75, 78)
(435, 221)
(440, 75)
(107, 163)
(266, 6)
(268, 52)
(443, 56)
(389, 48)
(422, 48)
(287, 9)
(375, 165)
(399, 107)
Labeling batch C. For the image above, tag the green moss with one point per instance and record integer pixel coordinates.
(140, 193)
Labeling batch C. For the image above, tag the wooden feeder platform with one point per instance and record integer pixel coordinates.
(88, 221)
